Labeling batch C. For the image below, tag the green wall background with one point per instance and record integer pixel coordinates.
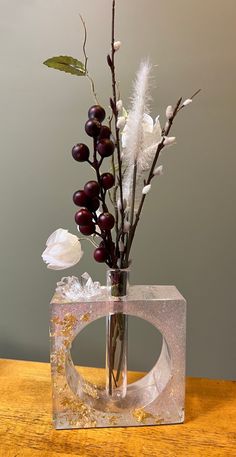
(188, 231)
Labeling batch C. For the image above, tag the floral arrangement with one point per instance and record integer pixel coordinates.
(123, 152)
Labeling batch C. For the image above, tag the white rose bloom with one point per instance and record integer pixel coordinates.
(63, 250)
(152, 136)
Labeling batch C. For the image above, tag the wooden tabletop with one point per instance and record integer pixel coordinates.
(26, 429)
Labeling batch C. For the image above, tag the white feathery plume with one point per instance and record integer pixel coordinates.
(134, 134)
(139, 105)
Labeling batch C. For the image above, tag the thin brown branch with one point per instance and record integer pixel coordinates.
(84, 43)
(86, 60)
(115, 113)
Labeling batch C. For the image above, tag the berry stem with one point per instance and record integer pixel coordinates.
(89, 239)
(108, 238)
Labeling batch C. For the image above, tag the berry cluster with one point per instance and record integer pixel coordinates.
(93, 195)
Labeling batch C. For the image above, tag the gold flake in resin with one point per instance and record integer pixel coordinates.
(67, 343)
(141, 415)
(113, 420)
(60, 369)
(56, 320)
(69, 323)
(74, 422)
(91, 390)
(58, 360)
(80, 413)
(58, 357)
(85, 317)
(61, 388)
(159, 420)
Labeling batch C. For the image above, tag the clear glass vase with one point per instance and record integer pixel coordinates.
(117, 335)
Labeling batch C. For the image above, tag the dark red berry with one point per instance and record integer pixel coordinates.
(80, 152)
(80, 198)
(93, 127)
(100, 254)
(104, 133)
(97, 112)
(91, 189)
(93, 204)
(88, 229)
(83, 217)
(107, 180)
(105, 147)
(106, 221)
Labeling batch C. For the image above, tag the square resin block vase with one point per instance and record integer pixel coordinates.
(156, 398)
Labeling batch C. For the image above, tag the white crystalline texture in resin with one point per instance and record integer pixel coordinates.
(156, 398)
(73, 288)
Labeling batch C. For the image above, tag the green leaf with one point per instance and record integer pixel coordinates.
(67, 64)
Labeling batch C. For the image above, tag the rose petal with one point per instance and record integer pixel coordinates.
(147, 123)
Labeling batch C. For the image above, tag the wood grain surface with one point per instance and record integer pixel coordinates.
(26, 429)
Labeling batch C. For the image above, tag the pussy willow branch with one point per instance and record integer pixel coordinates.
(86, 60)
(115, 112)
(191, 98)
(114, 199)
(160, 146)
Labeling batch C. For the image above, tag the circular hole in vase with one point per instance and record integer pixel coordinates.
(144, 348)
(148, 354)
